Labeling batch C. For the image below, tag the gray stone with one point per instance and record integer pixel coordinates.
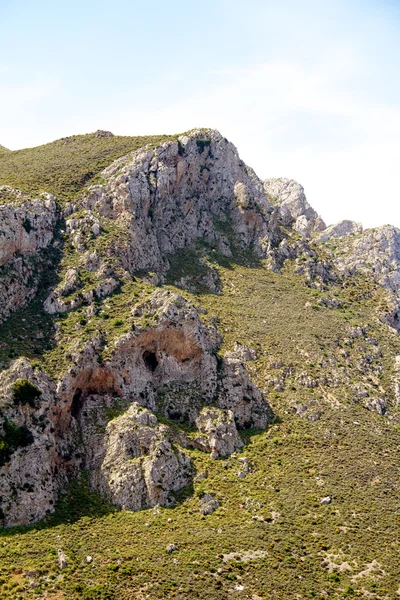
(209, 504)
(326, 500)
(294, 210)
(341, 229)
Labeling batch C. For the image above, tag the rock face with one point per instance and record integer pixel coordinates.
(140, 467)
(127, 412)
(27, 226)
(376, 251)
(169, 367)
(294, 210)
(341, 229)
(219, 433)
(376, 254)
(241, 396)
(157, 202)
(181, 191)
(29, 480)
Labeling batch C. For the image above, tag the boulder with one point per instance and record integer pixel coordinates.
(219, 435)
(141, 468)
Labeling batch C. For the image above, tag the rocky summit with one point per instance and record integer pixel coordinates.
(199, 380)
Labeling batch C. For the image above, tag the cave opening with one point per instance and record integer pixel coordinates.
(176, 415)
(77, 403)
(150, 360)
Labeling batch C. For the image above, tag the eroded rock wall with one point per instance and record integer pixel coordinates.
(168, 368)
(27, 226)
(293, 208)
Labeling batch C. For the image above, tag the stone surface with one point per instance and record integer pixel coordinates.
(326, 500)
(376, 254)
(341, 229)
(27, 227)
(241, 396)
(169, 366)
(294, 210)
(141, 468)
(377, 405)
(208, 504)
(219, 434)
(29, 480)
(169, 197)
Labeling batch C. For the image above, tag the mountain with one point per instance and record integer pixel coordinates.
(199, 379)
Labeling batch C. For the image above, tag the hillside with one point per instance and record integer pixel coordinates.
(66, 166)
(199, 380)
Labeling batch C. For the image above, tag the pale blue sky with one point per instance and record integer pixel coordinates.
(305, 89)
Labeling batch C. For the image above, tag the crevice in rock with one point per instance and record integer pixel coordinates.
(77, 403)
(150, 360)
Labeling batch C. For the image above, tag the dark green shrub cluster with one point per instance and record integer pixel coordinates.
(201, 144)
(24, 392)
(14, 437)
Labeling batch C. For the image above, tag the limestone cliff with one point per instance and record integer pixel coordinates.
(169, 368)
(126, 406)
(27, 226)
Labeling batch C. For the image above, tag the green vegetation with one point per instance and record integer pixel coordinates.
(271, 537)
(14, 437)
(24, 392)
(202, 144)
(66, 166)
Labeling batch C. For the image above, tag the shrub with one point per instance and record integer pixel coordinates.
(24, 392)
(201, 144)
(14, 437)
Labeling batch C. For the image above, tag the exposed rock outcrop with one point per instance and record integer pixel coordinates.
(169, 367)
(374, 253)
(294, 210)
(219, 433)
(181, 191)
(141, 467)
(27, 226)
(341, 229)
(30, 479)
(241, 396)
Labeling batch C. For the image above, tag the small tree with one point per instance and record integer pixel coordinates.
(24, 392)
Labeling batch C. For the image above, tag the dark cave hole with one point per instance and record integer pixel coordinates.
(150, 360)
(175, 415)
(77, 403)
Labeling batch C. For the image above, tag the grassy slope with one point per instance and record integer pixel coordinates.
(65, 166)
(350, 454)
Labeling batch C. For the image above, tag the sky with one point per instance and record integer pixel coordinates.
(308, 90)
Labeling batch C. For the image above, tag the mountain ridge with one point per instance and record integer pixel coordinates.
(197, 344)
